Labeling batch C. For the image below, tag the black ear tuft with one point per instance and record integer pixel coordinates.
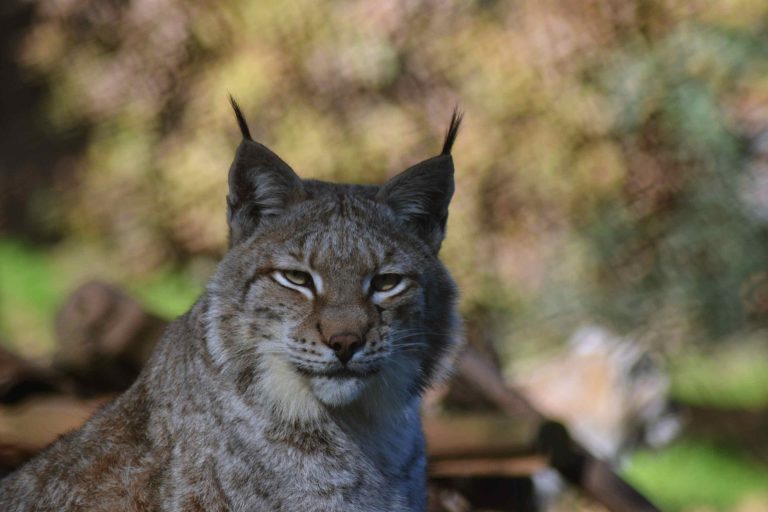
(453, 130)
(261, 184)
(241, 122)
(420, 195)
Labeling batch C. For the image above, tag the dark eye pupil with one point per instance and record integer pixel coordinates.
(384, 282)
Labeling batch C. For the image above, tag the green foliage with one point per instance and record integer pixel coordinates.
(730, 377)
(168, 293)
(34, 283)
(30, 291)
(698, 241)
(689, 475)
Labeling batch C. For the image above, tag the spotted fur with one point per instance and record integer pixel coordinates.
(246, 403)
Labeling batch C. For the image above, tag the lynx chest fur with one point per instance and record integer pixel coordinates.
(295, 381)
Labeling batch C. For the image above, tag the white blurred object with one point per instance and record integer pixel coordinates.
(611, 393)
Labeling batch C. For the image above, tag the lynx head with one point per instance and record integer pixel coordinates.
(332, 295)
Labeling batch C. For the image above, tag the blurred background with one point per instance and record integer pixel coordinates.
(612, 176)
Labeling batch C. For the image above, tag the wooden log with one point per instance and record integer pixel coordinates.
(38, 421)
(20, 378)
(479, 436)
(596, 478)
(484, 377)
(604, 485)
(511, 466)
(28, 427)
(104, 337)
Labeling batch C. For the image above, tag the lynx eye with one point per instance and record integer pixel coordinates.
(297, 277)
(385, 282)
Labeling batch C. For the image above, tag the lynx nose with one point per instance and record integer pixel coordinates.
(345, 345)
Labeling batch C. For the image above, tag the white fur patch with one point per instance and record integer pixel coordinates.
(337, 392)
(289, 393)
(317, 279)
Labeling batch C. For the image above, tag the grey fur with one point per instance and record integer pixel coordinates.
(243, 405)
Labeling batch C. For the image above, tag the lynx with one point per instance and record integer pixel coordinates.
(294, 382)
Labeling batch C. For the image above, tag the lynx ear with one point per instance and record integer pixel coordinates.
(261, 185)
(420, 195)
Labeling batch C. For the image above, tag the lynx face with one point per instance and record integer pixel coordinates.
(333, 293)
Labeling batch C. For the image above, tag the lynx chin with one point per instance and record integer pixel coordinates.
(294, 382)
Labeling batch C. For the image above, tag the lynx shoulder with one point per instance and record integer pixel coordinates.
(294, 382)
